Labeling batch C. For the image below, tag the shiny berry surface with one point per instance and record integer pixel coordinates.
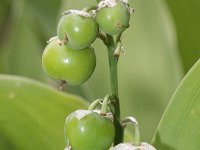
(113, 20)
(79, 31)
(66, 64)
(88, 130)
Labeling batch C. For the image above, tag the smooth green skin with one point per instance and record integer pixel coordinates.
(108, 18)
(92, 132)
(66, 64)
(81, 31)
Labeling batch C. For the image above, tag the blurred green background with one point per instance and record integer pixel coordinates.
(161, 45)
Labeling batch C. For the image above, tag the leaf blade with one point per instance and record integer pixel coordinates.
(179, 127)
(187, 25)
(32, 115)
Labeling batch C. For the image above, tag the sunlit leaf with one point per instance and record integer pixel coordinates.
(179, 127)
(32, 115)
(186, 17)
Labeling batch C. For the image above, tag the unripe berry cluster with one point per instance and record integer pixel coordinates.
(69, 56)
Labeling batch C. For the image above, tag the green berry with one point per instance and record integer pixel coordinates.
(66, 64)
(113, 19)
(78, 28)
(88, 130)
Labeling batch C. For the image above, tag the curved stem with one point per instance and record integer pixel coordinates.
(133, 121)
(114, 89)
(94, 104)
(104, 105)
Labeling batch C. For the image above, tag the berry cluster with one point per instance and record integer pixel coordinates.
(69, 57)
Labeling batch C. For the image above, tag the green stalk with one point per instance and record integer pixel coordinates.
(105, 105)
(113, 61)
(133, 121)
(94, 104)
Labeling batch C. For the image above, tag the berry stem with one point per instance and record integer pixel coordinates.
(94, 104)
(103, 38)
(118, 49)
(118, 39)
(134, 122)
(113, 61)
(104, 105)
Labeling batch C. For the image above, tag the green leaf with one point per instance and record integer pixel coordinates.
(32, 115)
(25, 59)
(44, 15)
(186, 18)
(21, 54)
(179, 127)
(27, 28)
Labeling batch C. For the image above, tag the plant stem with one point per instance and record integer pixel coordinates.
(94, 104)
(104, 105)
(113, 61)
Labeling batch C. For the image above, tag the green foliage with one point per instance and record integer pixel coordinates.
(186, 18)
(26, 24)
(179, 127)
(32, 115)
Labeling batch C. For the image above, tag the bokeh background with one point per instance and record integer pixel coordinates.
(161, 45)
